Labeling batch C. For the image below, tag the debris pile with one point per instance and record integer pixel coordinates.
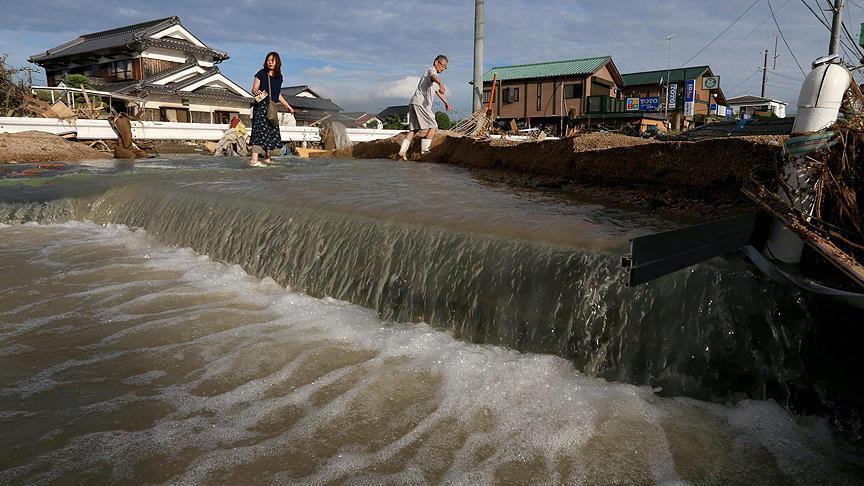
(832, 163)
(12, 92)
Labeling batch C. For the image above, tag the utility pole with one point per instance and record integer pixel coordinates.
(764, 72)
(776, 36)
(668, 66)
(478, 55)
(836, 27)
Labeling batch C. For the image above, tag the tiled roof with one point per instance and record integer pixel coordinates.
(106, 39)
(174, 89)
(295, 90)
(184, 46)
(654, 77)
(752, 99)
(573, 67)
(303, 102)
(126, 36)
(401, 110)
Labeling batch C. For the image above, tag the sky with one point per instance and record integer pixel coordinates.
(367, 55)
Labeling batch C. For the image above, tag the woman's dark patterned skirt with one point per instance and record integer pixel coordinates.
(265, 136)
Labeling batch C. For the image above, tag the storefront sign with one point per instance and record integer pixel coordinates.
(632, 104)
(689, 97)
(673, 96)
(651, 103)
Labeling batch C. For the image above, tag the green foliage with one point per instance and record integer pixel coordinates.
(77, 81)
(443, 119)
(393, 122)
(373, 124)
(12, 91)
(44, 95)
(765, 115)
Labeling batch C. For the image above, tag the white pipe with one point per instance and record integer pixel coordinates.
(818, 106)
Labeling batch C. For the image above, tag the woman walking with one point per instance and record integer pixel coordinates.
(266, 137)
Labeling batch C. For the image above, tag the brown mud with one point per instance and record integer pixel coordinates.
(701, 177)
(44, 147)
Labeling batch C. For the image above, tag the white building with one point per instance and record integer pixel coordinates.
(748, 105)
(160, 61)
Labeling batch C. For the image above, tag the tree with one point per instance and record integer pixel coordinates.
(373, 124)
(77, 81)
(443, 119)
(393, 122)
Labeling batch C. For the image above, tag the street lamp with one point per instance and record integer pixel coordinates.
(668, 66)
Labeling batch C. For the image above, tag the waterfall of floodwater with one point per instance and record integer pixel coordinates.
(501, 268)
(127, 360)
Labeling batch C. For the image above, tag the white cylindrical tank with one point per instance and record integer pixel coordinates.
(818, 106)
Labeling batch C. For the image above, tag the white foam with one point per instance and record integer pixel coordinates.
(517, 407)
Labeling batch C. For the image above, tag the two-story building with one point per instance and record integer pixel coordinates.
(550, 93)
(160, 61)
(652, 85)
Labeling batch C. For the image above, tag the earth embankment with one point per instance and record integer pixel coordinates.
(707, 173)
(44, 147)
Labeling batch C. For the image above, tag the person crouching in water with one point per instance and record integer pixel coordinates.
(420, 115)
(266, 137)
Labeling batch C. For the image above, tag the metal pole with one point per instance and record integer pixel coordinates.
(478, 55)
(836, 27)
(776, 36)
(668, 66)
(764, 72)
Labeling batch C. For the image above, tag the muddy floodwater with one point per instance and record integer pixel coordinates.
(372, 322)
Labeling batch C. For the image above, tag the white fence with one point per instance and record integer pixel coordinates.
(100, 130)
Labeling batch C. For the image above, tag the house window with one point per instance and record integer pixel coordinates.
(514, 95)
(487, 95)
(539, 96)
(572, 91)
(224, 117)
(200, 116)
(121, 70)
(505, 95)
(177, 115)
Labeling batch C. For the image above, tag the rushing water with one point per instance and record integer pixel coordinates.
(137, 355)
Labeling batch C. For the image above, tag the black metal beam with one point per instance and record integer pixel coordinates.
(653, 256)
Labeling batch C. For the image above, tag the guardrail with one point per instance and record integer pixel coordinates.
(149, 130)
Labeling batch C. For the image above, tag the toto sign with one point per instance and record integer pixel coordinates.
(651, 103)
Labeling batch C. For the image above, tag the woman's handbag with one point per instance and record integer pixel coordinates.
(272, 109)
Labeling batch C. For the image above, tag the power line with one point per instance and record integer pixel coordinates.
(721, 56)
(720, 34)
(783, 36)
(851, 39)
(824, 21)
(785, 76)
(745, 80)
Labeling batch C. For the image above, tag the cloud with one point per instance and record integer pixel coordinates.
(322, 71)
(379, 44)
(401, 88)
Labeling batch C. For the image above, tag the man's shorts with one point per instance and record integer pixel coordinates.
(421, 118)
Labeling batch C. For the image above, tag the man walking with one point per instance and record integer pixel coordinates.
(420, 115)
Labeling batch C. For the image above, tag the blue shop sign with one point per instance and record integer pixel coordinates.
(651, 103)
